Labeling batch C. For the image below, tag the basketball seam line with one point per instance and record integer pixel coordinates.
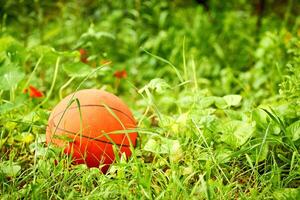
(125, 145)
(95, 106)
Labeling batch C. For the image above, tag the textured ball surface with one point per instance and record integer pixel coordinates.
(93, 128)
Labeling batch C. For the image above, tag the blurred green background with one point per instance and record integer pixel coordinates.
(239, 39)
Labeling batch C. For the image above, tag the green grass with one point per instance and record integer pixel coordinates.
(215, 95)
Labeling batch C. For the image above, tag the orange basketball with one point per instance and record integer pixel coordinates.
(88, 132)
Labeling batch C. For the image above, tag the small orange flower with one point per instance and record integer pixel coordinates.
(120, 74)
(83, 55)
(33, 92)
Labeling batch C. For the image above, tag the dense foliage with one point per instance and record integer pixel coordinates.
(215, 90)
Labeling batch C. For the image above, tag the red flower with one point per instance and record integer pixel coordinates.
(33, 92)
(120, 74)
(82, 51)
(83, 55)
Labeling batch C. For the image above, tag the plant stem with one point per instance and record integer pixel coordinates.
(52, 85)
(64, 86)
(32, 73)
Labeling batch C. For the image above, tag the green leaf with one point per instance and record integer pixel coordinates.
(205, 102)
(237, 115)
(49, 54)
(24, 137)
(286, 194)
(94, 36)
(159, 85)
(92, 33)
(294, 130)
(12, 48)
(10, 76)
(38, 149)
(219, 51)
(6, 42)
(152, 146)
(165, 146)
(220, 103)
(78, 69)
(263, 154)
(223, 155)
(20, 100)
(44, 168)
(260, 117)
(236, 133)
(233, 99)
(10, 169)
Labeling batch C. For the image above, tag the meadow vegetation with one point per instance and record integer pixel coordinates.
(215, 91)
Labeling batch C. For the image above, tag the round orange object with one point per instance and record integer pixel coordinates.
(88, 130)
